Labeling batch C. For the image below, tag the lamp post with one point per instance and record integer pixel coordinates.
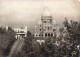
(78, 47)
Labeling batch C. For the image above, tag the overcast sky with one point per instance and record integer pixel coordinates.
(27, 12)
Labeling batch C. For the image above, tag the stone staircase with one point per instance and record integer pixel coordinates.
(16, 47)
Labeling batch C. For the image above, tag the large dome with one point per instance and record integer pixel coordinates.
(46, 12)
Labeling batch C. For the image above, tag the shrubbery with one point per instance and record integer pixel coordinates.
(63, 46)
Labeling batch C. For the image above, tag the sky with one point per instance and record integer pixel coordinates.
(17, 13)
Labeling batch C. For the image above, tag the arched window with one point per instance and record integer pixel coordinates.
(51, 35)
(48, 34)
(45, 34)
(39, 35)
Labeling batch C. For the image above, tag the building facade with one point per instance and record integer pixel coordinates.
(47, 26)
(20, 32)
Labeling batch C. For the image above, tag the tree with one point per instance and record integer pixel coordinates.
(73, 29)
(7, 38)
(28, 34)
(27, 48)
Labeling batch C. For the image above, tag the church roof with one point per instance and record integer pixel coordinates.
(46, 12)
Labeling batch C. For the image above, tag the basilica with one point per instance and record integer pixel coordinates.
(47, 25)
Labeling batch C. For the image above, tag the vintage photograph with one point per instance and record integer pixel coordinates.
(39, 28)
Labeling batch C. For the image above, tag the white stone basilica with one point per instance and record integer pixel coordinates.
(47, 26)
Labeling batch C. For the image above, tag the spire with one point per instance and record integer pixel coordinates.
(46, 12)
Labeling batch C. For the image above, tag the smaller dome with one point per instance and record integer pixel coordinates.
(54, 22)
(40, 22)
